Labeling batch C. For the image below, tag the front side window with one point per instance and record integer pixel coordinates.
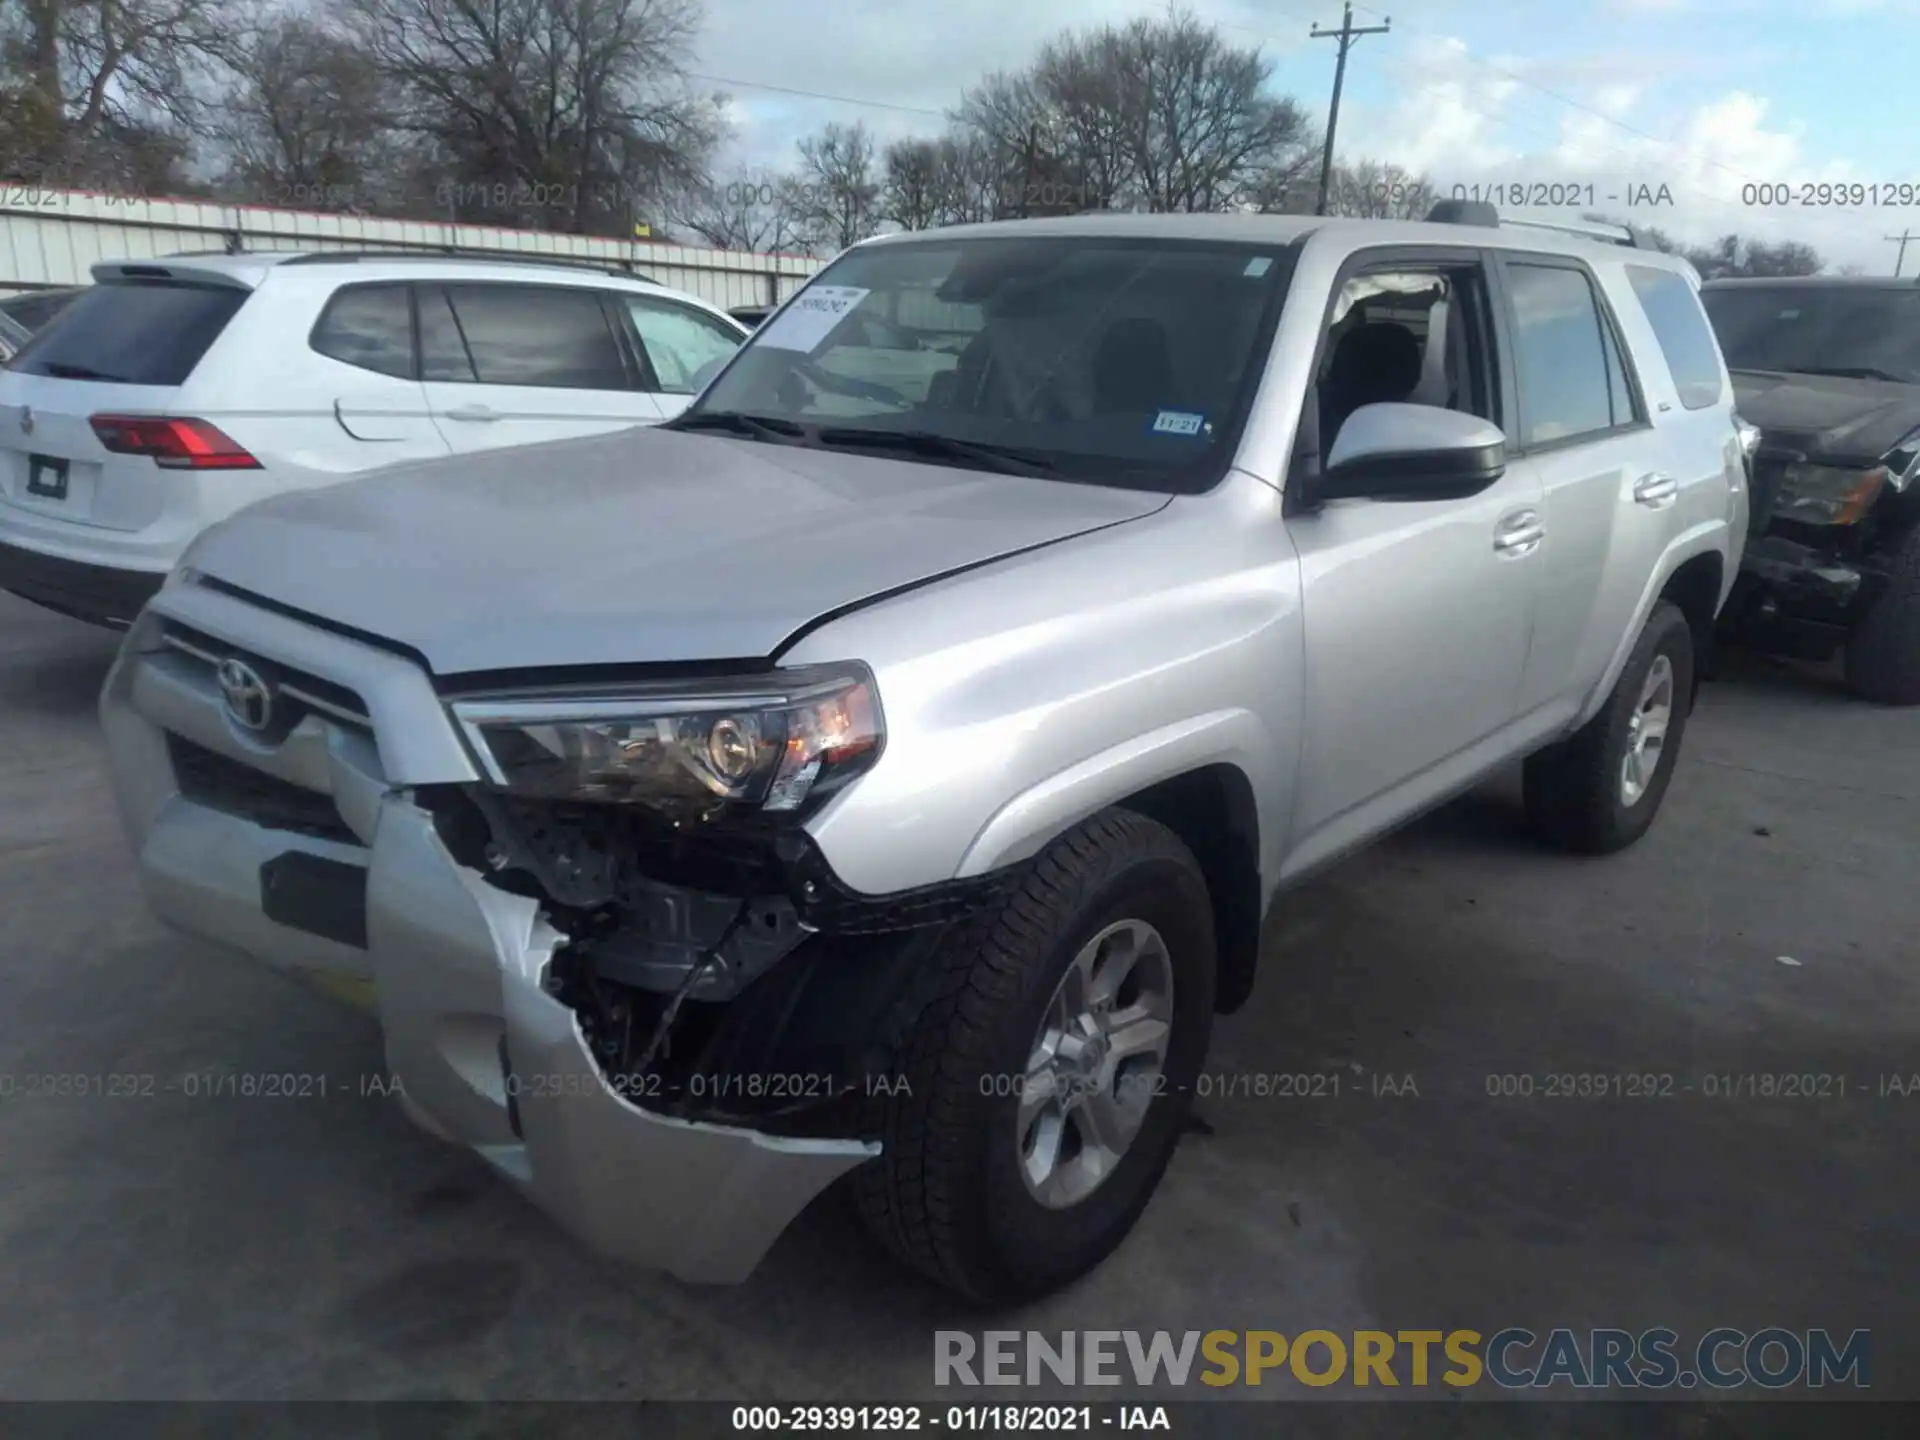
(1571, 376)
(1408, 336)
(1859, 332)
(544, 335)
(685, 347)
(1094, 358)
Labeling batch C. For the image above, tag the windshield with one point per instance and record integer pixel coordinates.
(1864, 332)
(1091, 358)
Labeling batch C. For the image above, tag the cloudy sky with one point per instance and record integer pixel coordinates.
(1705, 97)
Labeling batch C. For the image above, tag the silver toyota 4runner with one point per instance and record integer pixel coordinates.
(883, 770)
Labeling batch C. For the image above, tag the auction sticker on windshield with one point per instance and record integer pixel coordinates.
(809, 319)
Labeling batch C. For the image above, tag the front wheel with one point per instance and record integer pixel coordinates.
(1599, 790)
(1883, 657)
(1047, 1080)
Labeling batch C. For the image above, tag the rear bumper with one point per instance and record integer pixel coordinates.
(483, 1055)
(97, 594)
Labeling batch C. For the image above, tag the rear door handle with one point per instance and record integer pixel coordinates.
(472, 412)
(1519, 533)
(1656, 490)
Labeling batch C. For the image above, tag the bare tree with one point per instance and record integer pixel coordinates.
(750, 210)
(308, 123)
(1084, 81)
(107, 92)
(910, 193)
(1373, 190)
(1204, 130)
(1161, 115)
(835, 194)
(568, 114)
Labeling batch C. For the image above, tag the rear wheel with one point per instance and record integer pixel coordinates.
(1883, 657)
(1048, 1078)
(1598, 791)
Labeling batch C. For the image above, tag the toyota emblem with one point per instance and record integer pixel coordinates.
(26, 419)
(248, 698)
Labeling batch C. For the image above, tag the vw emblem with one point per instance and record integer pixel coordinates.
(26, 419)
(248, 698)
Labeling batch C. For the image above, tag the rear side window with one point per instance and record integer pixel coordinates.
(132, 333)
(1572, 378)
(443, 350)
(370, 326)
(545, 335)
(1680, 325)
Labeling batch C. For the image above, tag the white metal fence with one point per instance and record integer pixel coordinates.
(54, 237)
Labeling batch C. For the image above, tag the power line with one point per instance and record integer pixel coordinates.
(1347, 35)
(817, 95)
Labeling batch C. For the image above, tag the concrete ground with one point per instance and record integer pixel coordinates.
(189, 1247)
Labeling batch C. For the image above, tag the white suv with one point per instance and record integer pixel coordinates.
(175, 391)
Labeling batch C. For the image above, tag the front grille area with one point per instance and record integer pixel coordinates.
(300, 690)
(209, 778)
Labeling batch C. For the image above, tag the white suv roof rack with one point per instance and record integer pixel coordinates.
(1480, 212)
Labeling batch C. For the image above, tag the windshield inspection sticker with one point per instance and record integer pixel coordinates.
(1259, 265)
(1177, 422)
(807, 321)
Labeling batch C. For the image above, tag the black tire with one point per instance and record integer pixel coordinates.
(946, 1194)
(1573, 790)
(1883, 657)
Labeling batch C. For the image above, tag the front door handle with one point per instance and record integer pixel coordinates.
(472, 412)
(1519, 534)
(1656, 491)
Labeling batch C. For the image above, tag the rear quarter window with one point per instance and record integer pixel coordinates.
(370, 327)
(132, 333)
(1680, 325)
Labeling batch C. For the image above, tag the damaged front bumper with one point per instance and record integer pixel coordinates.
(306, 845)
(1798, 599)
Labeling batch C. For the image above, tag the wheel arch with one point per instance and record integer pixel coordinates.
(1688, 564)
(1213, 811)
(1695, 587)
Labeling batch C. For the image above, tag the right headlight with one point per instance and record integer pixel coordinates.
(1828, 494)
(777, 742)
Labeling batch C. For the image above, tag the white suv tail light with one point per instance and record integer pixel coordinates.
(174, 444)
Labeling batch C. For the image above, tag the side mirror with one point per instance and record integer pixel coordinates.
(1396, 451)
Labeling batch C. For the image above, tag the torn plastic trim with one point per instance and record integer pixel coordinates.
(463, 976)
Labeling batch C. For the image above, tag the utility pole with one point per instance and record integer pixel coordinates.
(1346, 35)
(1901, 240)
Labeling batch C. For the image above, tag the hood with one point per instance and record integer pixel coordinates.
(644, 545)
(1826, 416)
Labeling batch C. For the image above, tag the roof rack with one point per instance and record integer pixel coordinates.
(1480, 212)
(464, 252)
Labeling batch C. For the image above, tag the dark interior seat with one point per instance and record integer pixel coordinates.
(1371, 364)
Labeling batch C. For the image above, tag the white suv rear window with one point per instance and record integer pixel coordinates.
(132, 333)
